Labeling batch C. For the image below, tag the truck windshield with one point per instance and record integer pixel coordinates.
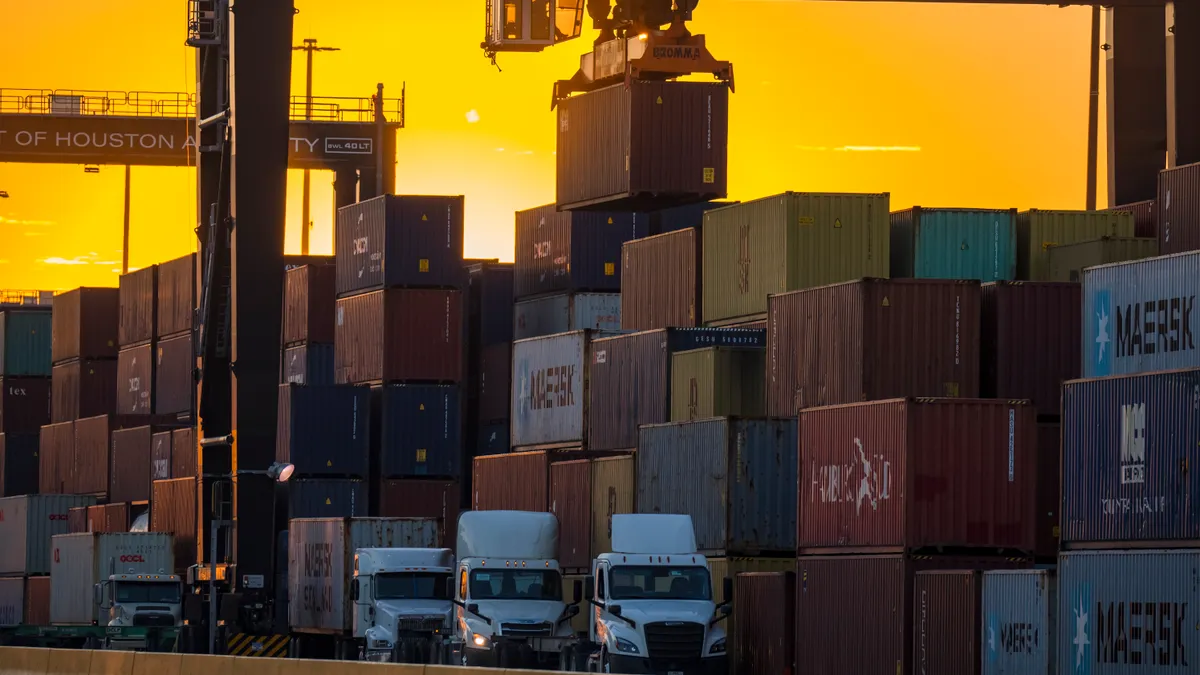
(411, 586)
(521, 584)
(161, 593)
(631, 582)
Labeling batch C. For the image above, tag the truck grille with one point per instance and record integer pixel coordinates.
(422, 624)
(674, 641)
(544, 629)
(154, 620)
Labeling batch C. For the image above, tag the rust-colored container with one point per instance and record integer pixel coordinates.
(37, 601)
(176, 295)
(132, 464)
(495, 382)
(160, 455)
(183, 453)
(423, 498)
(399, 334)
(1049, 491)
(891, 476)
(108, 518)
(174, 384)
(664, 144)
(519, 481)
(308, 304)
(1145, 217)
(24, 404)
(84, 324)
(660, 283)
(77, 519)
(614, 491)
(872, 339)
(947, 625)
(135, 380)
(93, 455)
(81, 389)
(138, 307)
(764, 624)
(571, 501)
(56, 459)
(1179, 209)
(1031, 337)
(175, 512)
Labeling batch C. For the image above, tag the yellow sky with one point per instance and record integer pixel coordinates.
(987, 103)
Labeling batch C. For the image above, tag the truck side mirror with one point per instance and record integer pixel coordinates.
(577, 588)
(473, 608)
(96, 599)
(450, 588)
(727, 587)
(589, 587)
(726, 610)
(354, 589)
(615, 610)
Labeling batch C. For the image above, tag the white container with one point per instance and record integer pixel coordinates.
(80, 561)
(12, 601)
(26, 525)
(565, 312)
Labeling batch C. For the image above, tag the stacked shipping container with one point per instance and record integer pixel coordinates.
(25, 389)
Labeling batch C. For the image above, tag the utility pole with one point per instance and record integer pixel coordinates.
(309, 46)
(1093, 109)
(125, 238)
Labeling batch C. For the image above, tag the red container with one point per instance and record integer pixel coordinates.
(77, 519)
(308, 304)
(183, 453)
(174, 512)
(83, 389)
(643, 145)
(135, 380)
(132, 464)
(93, 455)
(108, 518)
(1049, 491)
(37, 601)
(174, 383)
(399, 335)
(519, 481)
(872, 339)
(571, 501)
(423, 498)
(56, 459)
(84, 324)
(160, 456)
(1145, 217)
(947, 622)
(660, 282)
(24, 404)
(764, 623)
(895, 475)
(176, 295)
(1179, 209)
(1031, 341)
(495, 382)
(138, 310)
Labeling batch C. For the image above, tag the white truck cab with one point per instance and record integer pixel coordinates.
(138, 601)
(652, 601)
(402, 610)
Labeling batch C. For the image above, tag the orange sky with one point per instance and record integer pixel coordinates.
(988, 104)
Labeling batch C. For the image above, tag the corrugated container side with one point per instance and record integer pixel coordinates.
(1049, 490)
(718, 382)
(138, 307)
(37, 601)
(579, 622)
(550, 382)
(571, 502)
(424, 498)
(614, 491)
(82, 560)
(565, 312)
(26, 526)
(1037, 231)
(660, 284)
(93, 455)
(183, 453)
(78, 519)
(723, 568)
(80, 389)
(12, 602)
(107, 518)
(420, 431)
(399, 334)
(764, 623)
(25, 342)
(19, 464)
(1179, 209)
(324, 431)
(24, 404)
(310, 363)
(1020, 625)
(1145, 217)
(176, 295)
(85, 324)
(566, 251)
(399, 240)
(493, 439)
(515, 482)
(1067, 262)
(174, 382)
(175, 512)
(131, 468)
(946, 622)
(1126, 444)
(495, 382)
(135, 380)
(954, 244)
(1030, 341)
(675, 218)
(490, 302)
(56, 459)
(327, 498)
(160, 456)
(1127, 612)
(308, 304)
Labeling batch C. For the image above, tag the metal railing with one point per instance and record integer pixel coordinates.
(346, 109)
(10, 297)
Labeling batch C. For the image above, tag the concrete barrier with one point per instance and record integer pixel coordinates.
(111, 663)
(145, 663)
(69, 662)
(23, 661)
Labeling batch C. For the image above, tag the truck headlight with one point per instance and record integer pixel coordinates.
(479, 641)
(627, 647)
(717, 647)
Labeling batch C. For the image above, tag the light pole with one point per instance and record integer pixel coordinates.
(125, 231)
(309, 46)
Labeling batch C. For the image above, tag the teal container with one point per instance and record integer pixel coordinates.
(954, 244)
(25, 343)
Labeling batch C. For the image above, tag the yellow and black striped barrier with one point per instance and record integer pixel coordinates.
(267, 646)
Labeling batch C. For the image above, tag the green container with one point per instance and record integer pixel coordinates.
(789, 242)
(1068, 262)
(954, 244)
(25, 343)
(1037, 231)
(718, 382)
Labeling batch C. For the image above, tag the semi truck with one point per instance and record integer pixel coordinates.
(402, 605)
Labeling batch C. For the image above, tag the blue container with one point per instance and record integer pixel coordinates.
(565, 312)
(492, 439)
(1128, 612)
(954, 244)
(420, 431)
(25, 343)
(572, 250)
(327, 498)
(1141, 316)
(1131, 445)
(490, 302)
(736, 478)
(324, 430)
(1020, 610)
(399, 241)
(310, 363)
(682, 217)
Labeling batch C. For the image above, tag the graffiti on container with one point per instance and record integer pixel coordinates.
(552, 387)
(318, 577)
(1123, 505)
(865, 480)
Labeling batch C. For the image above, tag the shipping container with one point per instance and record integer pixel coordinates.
(550, 381)
(565, 312)
(175, 512)
(1068, 261)
(334, 542)
(736, 478)
(327, 498)
(946, 622)
(25, 342)
(308, 304)
(1133, 611)
(81, 561)
(495, 382)
(1137, 316)
(764, 623)
(310, 364)
(37, 601)
(174, 377)
(183, 453)
(78, 520)
(160, 455)
(789, 242)
(131, 469)
(421, 430)
(1038, 231)
(81, 389)
(490, 303)
(1020, 627)
(1179, 209)
(517, 481)
(1049, 490)
(424, 498)
(85, 324)
(675, 218)
(1030, 341)
(18, 464)
(631, 379)
(663, 144)
(56, 459)
(1127, 443)
(571, 503)
(660, 285)
(493, 439)
(26, 525)
(579, 622)
(614, 491)
(718, 382)
(890, 476)
(139, 307)
(838, 344)
(12, 601)
(1145, 217)
(324, 431)
(177, 299)
(24, 601)
(109, 518)
(399, 240)
(720, 569)
(571, 251)
(135, 380)
(399, 334)
(24, 404)
(93, 454)
(978, 244)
